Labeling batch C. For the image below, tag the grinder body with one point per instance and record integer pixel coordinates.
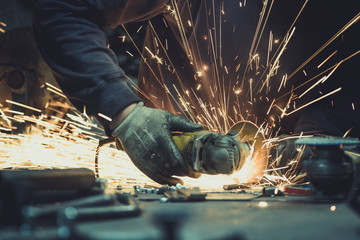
(214, 153)
(211, 152)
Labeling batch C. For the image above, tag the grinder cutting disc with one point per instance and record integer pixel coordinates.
(248, 132)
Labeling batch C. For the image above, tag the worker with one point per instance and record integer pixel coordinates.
(190, 47)
(70, 35)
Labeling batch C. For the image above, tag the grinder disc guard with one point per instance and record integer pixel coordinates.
(257, 162)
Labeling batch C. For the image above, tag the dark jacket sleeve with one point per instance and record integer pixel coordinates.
(71, 38)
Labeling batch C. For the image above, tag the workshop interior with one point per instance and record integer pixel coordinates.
(275, 85)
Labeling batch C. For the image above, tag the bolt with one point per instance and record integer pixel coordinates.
(164, 200)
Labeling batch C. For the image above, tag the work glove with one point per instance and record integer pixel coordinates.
(286, 154)
(146, 137)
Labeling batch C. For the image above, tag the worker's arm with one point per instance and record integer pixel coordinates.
(71, 37)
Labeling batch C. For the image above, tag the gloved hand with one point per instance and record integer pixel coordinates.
(288, 154)
(146, 137)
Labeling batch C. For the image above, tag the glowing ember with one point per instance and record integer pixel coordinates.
(263, 204)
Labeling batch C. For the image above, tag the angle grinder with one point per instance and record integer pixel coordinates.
(214, 153)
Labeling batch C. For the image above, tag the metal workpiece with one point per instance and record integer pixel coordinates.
(19, 188)
(180, 186)
(99, 212)
(272, 191)
(50, 179)
(67, 214)
(69, 217)
(236, 186)
(223, 215)
(173, 223)
(100, 184)
(163, 189)
(141, 190)
(32, 212)
(170, 222)
(158, 190)
(102, 200)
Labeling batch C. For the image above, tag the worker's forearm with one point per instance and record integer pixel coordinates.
(70, 36)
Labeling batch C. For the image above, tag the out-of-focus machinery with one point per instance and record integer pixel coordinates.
(26, 79)
(330, 170)
(333, 169)
(24, 76)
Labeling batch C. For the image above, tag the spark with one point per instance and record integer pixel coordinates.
(269, 47)
(6, 118)
(189, 23)
(129, 53)
(272, 103)
(12, 111)
(4, 25)
(323, 72)
(352, 153)
(347, 132)
(181, 29)
(343, 29)
(287, 33)
(275, 65)
(283, 81)
(23, 105)
(237, 67)
(275, 169)
(327, 59)
(316, 100)
(251, 90)
(238, 91)
(322, 80)
(122, 38)
(105, 117)
(56, 92)
(158, 59)
(139, 29)
(200, 74)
